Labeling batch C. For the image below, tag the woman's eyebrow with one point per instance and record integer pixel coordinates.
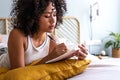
(49, 12)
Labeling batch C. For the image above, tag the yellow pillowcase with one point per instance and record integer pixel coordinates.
(2, 72)
(53, 71)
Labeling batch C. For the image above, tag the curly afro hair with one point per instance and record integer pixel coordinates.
(26, 14)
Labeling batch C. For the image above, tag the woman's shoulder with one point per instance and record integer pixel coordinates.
(16, 33)
(16, 37)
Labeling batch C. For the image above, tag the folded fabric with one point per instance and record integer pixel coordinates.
(3, 50)
(60, 70)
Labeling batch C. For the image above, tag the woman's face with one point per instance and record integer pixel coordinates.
(47, 20)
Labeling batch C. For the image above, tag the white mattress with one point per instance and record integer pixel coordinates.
(104, 69)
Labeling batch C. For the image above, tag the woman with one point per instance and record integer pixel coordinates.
(31, 37)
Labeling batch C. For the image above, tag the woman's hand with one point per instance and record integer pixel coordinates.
(58, 50)
(81, 53)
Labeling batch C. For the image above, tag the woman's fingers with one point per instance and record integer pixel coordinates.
(81, 55)
(83, 48)
(61, 49)
(82, 52)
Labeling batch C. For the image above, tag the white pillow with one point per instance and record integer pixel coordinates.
(4, 41)
(4, 38)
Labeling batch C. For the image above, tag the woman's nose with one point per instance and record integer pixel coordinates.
(52, 19)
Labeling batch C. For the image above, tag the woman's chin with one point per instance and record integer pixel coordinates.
(51, 31)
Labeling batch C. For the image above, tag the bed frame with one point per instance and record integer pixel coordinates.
(5, 25)
(69, 29)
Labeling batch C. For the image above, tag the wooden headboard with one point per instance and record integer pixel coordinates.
(5, 25)
(69, 29)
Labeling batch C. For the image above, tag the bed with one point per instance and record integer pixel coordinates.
(106, 68)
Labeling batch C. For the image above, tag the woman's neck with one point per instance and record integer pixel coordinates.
(39, 38)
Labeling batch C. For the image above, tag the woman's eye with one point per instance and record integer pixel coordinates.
(47, 16)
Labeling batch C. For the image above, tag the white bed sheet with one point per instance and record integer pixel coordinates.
(4, 41)
(104, 69)
(4, 38)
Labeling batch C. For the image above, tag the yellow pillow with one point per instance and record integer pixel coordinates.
(53, 71)
(2, 72)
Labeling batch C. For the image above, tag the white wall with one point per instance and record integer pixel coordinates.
(108, 19)
(5, 7)
(80, 9)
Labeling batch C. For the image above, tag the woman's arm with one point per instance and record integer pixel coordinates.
(59, 49)
(55, 49)
(81, 53)
(16, 49)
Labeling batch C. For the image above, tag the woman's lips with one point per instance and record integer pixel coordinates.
(51, 27)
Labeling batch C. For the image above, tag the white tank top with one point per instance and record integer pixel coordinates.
(32, 53)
